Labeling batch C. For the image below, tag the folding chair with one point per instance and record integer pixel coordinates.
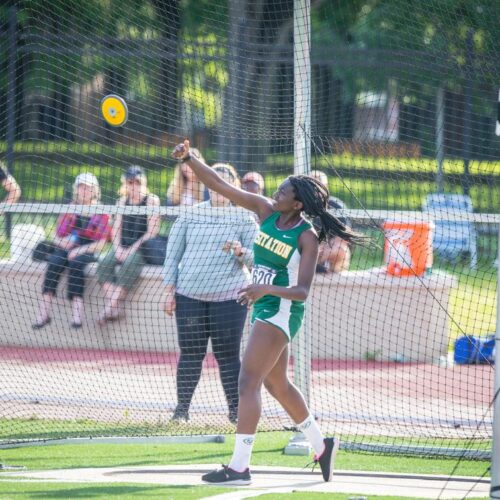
(452, 238)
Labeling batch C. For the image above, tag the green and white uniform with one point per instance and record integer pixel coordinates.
(276, 262)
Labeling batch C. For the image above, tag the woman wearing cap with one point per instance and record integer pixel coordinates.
(77, 239)
(202, 277)
(185, 188)
(128, 234)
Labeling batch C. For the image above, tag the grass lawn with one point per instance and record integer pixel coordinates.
(123, 491)
(46, 181)
(268, 451)
(473, 303)
(14, 489)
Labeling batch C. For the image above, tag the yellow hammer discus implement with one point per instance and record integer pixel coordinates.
(114, 110)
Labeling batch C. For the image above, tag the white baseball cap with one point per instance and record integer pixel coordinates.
(86, 178)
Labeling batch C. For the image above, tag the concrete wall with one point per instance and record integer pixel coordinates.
(354, 315)
(372, 314)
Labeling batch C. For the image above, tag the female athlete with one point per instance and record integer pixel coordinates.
(285, 255)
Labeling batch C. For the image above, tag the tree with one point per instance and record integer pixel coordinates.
(168, 18)
(258, 31)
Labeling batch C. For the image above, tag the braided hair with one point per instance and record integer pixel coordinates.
(314, 197)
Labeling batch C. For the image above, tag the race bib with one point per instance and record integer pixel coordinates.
(262, 275)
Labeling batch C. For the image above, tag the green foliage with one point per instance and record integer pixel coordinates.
(204, 78)
(436, 29)
(199, 16)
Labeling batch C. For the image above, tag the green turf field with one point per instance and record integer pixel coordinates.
(268, 451)
(123, 491)
(24, 490)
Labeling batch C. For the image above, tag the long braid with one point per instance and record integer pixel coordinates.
(314, 197)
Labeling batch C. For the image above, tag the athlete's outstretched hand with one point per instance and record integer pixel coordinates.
(181, 151)
(251, 293)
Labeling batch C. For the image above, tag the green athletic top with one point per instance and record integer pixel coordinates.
(276, 262)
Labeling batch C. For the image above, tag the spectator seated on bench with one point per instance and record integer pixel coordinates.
(77, 241)
(128, 234)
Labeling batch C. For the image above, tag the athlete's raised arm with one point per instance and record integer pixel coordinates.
(261, 205)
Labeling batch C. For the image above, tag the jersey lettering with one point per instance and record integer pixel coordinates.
(273, 245)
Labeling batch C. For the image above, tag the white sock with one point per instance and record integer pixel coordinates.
(311, 430)
(242, 452)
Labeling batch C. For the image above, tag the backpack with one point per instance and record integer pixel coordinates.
(474, 350)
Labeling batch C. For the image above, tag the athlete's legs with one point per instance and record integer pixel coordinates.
(280, 387)
(265, 361)
(263, 350)
(265, 345)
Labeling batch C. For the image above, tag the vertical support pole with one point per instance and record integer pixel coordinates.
(302, 165)
(495, 455)
(469, 83)
(302, 158)
(440, 138)
(11, 103)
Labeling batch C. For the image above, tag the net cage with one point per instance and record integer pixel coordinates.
(398, 118)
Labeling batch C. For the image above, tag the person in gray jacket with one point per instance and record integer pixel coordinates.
(207, 262)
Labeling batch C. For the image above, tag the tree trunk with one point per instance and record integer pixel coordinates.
(247, 113)
(167, 12)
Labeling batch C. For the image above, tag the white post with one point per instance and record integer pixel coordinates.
(495, 456)
(302, 165)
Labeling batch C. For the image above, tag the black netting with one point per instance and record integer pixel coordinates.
(402, 124)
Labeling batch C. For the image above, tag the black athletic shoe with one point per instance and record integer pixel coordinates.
(226, 475)
(327, 459)
(180, 416)
(233, 417)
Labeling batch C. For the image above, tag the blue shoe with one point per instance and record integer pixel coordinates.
(226, 475)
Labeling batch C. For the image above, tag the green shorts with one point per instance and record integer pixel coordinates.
(286, 316)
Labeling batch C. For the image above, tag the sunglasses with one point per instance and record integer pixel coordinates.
(225, 170)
